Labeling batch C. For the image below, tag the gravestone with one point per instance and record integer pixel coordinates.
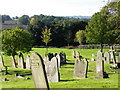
(28, 62)
(58, 58)
(21, 63)
(52, 70)
(80, 68)
(92, 59)
(38, 71)
(63, 58)
(13, 62)
(77, 54)
(107, 57)
(100, 66)
(112, 55)
(1, 61)
(73, 54)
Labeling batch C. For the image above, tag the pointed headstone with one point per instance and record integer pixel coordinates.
(21, 63)
(28, 62)
(80, 68)
(52, 70)
(38, 71)
(1, 61)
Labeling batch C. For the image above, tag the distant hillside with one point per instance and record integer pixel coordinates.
(81, 17)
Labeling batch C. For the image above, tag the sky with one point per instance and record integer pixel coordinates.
(50, 7)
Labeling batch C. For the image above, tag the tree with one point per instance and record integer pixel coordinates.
(32, 21)
(80, 37)
(15, 41)
(6, 18)
(24, 20)
(97, 28)
(46, 36)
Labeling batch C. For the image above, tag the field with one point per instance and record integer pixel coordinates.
(66, 72)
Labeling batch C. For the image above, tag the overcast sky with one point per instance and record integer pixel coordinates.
(50, 7)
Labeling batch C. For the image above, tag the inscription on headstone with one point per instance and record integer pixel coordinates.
(80, 68)
(38, 71)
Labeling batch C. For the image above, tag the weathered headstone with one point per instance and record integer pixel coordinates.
(100, 66)
(52, 70)
(1, 61)
(28, 62)
(21, 63)
(107, 57)
(38, 71)
(77, 54)
(80, 68)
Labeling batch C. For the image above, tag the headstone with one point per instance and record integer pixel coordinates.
(107, 57)
(28, 62)
(77, 54)
(92, 59)
(1, 61)
(100, 66)
(13, 62)
(38, 71)
(73, 54)
(80, 68)
(58, 58)
(52, 70)
(21, 63)
(112, 55)
(63, 58)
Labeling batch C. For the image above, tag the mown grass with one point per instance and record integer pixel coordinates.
(66, 72)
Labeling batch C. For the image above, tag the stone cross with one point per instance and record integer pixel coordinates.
(52, 70)
(1, 61)
(38, 71)
(80, 68)
(28, 62)
(21, 63)
(100, 66)
(107, 57)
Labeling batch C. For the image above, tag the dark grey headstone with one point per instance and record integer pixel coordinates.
(52, 70)
(1, 61)
(21, 63)
(63, 58)
(28, 62)
(38, 71)
(80, 69)
(107, 57)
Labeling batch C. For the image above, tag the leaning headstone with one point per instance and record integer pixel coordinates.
(1, 61)
(21, 63)
(100, 67)
(80, 68)
(107, 57)
(38, 71)
(28, 62)
(52, 70)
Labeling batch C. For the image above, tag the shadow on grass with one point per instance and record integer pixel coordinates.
(67, 80)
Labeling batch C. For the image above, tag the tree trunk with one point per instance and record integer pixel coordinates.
(13, 61)
(101, 47)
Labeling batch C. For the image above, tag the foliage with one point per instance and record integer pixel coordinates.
(16, 40)
(97, 28)
(80, 37)
(46, 35)
(24, 20)
(6, 18)
(32, 21)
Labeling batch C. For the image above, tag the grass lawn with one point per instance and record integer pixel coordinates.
(66, 72)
